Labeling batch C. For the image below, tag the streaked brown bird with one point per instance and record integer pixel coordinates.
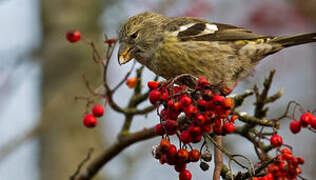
(185, 45)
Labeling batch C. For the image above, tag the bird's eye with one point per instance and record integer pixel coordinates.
(134, 35)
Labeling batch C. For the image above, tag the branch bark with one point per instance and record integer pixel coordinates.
(94, 167)
(218, 158)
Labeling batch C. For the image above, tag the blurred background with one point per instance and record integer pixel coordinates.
(41, 131)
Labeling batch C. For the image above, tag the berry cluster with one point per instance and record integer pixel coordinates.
(307, 119)
(168, 153)
(90, 120)
(285, 167)
(204, 112)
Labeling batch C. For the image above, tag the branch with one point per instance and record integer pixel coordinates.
(218, 158)
(240, 98)
(72, 177)
(18, 141)
(114, 150)
(255, 121)
(260, 111)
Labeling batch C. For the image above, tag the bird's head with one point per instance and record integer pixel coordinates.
(139, 37)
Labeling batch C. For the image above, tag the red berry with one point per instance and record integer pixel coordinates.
(165, 145)
(183, 155)
(73, 36)
(172, 150)
(295, 127)
(300, 160)
(194, 155)
(154, 96)
(199, 119)
(218, 99)
(288, 156)
(185, 100)
(171, 160)
(190, 111)
(170, 103)
(153, 85)
(164, 95)
(282, 166)
(202, 104)
(195, 131)
(164, 114)
(196, 139)
(173, 114)
(98, 110)
(276, 140)
(202, 82)
(273, 169)
(177, 106)
(228, 127)
(185, 175)
(206, 128)
(218, 129)
(171, 126)
(313, 121)
(159, 130)
(176, 89)
(218, 122)
(305, 119)
(220, 111)
(269, 176)
(90, 121)
(180, 167)
(185, 137)
(286, 150)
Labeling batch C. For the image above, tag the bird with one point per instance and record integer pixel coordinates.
(221, 53)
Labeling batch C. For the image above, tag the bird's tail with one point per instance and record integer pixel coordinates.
(287, 41)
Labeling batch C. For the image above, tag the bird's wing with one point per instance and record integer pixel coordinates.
(195, 29)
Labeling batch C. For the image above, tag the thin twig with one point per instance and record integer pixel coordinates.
(18, 141)
(257, 171)
(228, 154)
(125, 77)
(86, 159)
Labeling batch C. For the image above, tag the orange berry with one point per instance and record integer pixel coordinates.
(131, 82)
(228, 103)
(165, 145)
(194, 155)
(183, 155)
(233, 118)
